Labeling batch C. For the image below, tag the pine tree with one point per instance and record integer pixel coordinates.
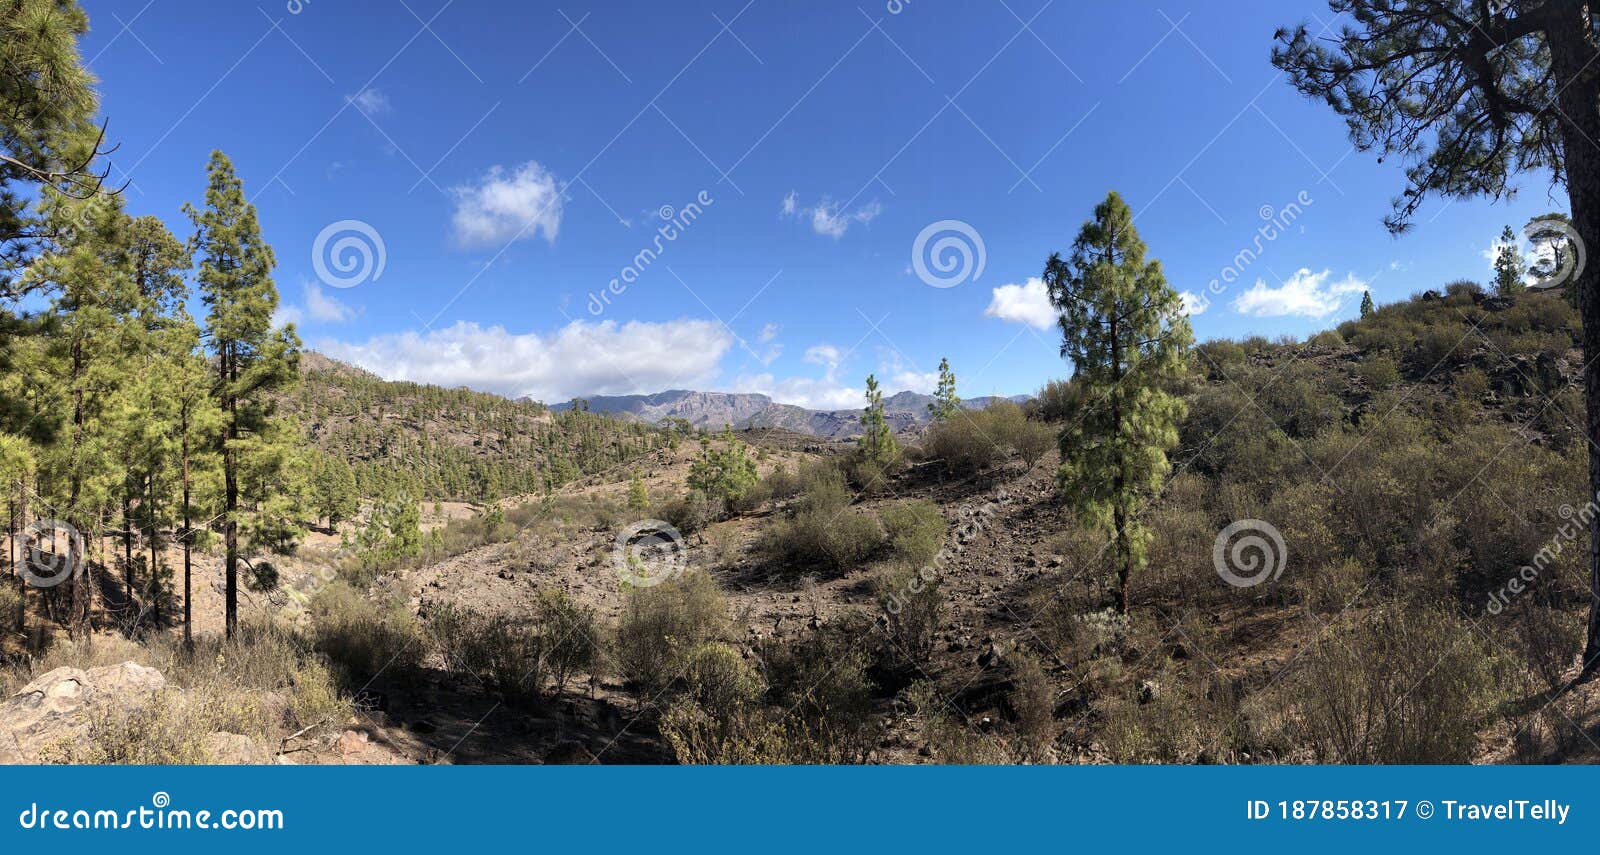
(253, 360)
(638, 495)
(724, 473)
(1508, 265)
(334, 494)
(946, 404)
(50, 139)
(877, 453)
(162, 335)
(1366, 304)
(1124, 331)
(92, 334)
(197, 431)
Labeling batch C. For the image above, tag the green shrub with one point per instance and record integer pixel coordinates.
(690, 513)
(821, 679)
(363, 637)
(1055, 402)
(1379, 373)
(913, 609)
(503, 655)
(974, 440)
(514, 657)
(1033, 702)
(781, 483)
(662, 624)
(915, 530)
(570, 634)
(824, 531)
(1402, 685)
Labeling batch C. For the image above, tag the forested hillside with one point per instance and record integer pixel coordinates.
(438, 443)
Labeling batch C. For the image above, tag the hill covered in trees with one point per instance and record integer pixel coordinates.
(437, 443)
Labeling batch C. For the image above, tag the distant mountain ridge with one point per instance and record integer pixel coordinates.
(905, 411)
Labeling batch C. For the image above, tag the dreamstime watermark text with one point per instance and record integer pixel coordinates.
(1576, 522)
(159, 815)
(674, 222)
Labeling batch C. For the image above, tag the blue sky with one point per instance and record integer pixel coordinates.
(513, 159)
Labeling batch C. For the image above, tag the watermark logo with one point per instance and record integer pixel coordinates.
(1559, 254)
(948, 253)
(348, 253)
(648, 553)
(1249, 552)
(47, 570)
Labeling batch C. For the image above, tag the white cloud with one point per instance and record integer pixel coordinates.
(774, 348)
(370, 101)
(581, 358)
(503, 206)
(320, 306)
(1194, 304)
(1306, 294)
(1028, 303)
(824, 354)
(826, 218)
(813, 393)
(900, 376)
(287, 314)
(316, 305)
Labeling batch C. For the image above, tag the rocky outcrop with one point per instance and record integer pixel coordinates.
(55, 708)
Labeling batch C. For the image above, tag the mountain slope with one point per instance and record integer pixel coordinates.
(905, 411)
(453, 443)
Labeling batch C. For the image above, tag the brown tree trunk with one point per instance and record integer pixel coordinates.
(1572, 53)
(127, 549)
(188, 536)
(78, 620)
(154, 595)
(1119, 518)
(230, 525)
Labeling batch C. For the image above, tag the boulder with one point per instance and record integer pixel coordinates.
(55, 708)
(352, 742)
(235, 749)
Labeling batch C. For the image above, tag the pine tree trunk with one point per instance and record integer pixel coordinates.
(78, 618)
(1572, 50)
(154, 595)
(188, 537)
(1118, 516)
(127, 549)
(230, 526)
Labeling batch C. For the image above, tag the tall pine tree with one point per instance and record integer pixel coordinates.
(1124, 330)
(253, 360)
